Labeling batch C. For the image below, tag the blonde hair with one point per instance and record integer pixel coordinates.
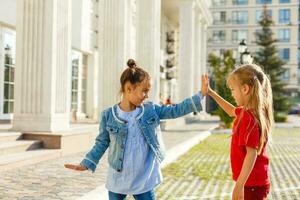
(260, 100)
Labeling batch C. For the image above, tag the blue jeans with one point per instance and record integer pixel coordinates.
(150, 195)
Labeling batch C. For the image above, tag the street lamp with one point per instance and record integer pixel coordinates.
(245, 55)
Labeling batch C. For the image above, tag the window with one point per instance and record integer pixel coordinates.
(239, 35)
(84, 83)
(75, 71)
(284, 1)
(257, 31)
(219, 36)
(258, 14)
(284, 35)
(299, 15)
(79, 81)
(219, 17)
(9, 71)
(284, 15)
(284, 54)
(286, 75)
(263, 1)
(240, 2)
(218, 2)
(240, 17)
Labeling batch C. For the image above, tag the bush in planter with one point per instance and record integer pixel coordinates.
(221, 67)
(280, 117)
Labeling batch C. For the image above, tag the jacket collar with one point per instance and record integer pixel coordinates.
(122, 121)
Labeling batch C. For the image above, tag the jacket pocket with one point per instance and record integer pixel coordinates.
(113, 132)
(153, 121)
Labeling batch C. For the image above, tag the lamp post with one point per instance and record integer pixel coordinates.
(245, 55)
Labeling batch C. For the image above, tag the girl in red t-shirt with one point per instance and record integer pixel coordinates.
(251, 90)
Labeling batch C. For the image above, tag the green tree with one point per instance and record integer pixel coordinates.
(268, 59)
(221, 67)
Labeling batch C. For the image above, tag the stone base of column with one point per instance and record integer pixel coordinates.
(67, 142)
(32, 123)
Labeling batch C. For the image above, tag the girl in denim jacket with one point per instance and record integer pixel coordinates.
(131, 132)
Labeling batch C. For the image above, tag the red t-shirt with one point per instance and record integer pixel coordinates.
(246, 132)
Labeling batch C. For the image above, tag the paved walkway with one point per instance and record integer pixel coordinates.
(50, 180)
(204, 172)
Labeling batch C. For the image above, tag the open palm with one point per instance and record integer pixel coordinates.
(76, 167)
(205, 84)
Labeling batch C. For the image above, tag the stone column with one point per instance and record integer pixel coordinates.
(204, 46)
(92, 86)
(186, 48)
(114, 48)
(203, 52)
(198, 56)
(148, 41)
(43, 79)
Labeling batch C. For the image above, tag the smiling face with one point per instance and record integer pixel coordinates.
(138, 93)
(239, 92)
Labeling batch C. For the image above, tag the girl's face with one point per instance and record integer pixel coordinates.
(138, 93)
(238, 92)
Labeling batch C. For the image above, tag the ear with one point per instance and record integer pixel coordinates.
(246, 89)
(128, 87)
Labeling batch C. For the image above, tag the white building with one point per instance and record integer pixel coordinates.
(59, 56)
(236, 20)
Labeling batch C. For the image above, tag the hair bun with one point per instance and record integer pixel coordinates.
(131, 63)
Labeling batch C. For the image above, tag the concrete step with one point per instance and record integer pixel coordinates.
(17, 146)
(17, 160)
(7, 136)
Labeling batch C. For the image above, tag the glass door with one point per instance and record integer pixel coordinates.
(8, 55)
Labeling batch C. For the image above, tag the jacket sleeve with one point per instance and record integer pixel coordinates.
(101, 144)
(192, 104)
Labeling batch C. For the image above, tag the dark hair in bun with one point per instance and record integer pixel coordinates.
(134, 74)
(131, 63)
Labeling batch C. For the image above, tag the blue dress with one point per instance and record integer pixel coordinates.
(141, 170)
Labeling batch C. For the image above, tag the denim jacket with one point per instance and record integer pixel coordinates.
(113, 130)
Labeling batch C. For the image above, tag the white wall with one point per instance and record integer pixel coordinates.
(81, 25)
(80, 36)
(8, 12)
(76, 23)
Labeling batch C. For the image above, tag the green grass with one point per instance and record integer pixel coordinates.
(213, 146)
(202, 163)
(288, 132)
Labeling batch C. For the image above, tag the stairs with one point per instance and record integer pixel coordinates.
(16, 151)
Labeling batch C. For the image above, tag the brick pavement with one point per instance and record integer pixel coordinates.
(50, 180)
(204, 172)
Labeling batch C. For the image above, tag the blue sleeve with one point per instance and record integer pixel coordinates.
(102, 142)
(192, 104)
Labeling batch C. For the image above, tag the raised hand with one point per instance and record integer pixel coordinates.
(206, 80)
(77, 167)
(204, 84)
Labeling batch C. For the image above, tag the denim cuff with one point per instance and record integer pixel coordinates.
(89, 164)
(196, 102)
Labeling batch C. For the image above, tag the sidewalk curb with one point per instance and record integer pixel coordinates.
(171, 155)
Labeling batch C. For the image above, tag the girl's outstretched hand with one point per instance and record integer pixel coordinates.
(205, 81)
(77, 167)
(204, 88)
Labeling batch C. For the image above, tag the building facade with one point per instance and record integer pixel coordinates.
(236, 20)
(64, 57)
